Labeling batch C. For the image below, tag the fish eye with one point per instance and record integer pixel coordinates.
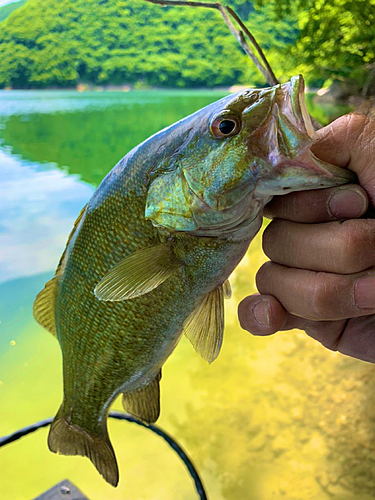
(225, 126)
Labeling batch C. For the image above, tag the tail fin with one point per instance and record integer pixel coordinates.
(69, 439)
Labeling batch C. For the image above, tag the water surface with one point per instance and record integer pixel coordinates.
(272, 418)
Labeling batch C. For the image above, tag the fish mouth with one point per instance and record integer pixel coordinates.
(313, 166)
(296, 165)
(297, 84)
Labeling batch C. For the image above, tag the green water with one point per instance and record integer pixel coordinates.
(272, 418)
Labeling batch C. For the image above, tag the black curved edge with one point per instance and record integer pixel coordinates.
(122, 416)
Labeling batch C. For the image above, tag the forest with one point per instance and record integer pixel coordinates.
(131, 42)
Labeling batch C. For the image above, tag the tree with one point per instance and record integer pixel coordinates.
(127, 41)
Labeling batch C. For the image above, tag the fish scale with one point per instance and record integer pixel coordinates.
(150, 255)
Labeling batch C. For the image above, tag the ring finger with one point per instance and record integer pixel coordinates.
(318, 296)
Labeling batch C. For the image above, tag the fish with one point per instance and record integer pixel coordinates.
(149, 256)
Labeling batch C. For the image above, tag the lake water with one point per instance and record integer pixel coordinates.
(272, 418)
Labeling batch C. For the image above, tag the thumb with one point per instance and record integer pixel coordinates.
(349, 142)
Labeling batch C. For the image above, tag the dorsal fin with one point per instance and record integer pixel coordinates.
(205, 325)
(138, 273)
(44, 304)
(144, 403)
(44, 307)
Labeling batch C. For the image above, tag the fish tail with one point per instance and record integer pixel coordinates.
(69, 439)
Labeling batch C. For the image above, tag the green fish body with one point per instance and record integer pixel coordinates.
(150, 254)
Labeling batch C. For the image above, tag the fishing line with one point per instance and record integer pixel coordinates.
(122, 416)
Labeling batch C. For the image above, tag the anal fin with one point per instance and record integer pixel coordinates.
(44, 307)
(205, 325)
(144, 403)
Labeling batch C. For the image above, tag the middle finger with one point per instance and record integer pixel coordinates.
(336, 247)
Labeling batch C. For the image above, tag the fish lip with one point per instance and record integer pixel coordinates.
(306, 157)
(332, 170)
(298, 86)
(311, 163)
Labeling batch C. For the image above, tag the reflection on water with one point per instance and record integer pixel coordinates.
(37, 206)
(272, 418)
(85, 139)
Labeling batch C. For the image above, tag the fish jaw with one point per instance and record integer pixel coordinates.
(289, 133)
(304, 172)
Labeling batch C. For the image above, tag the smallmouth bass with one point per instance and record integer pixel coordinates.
(150, 255)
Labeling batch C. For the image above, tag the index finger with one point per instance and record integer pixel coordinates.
(319, 205)
(348, 142)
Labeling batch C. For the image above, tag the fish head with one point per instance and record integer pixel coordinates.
(235, 155)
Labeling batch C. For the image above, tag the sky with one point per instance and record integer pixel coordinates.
(4, 2)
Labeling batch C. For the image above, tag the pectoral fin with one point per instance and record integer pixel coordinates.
(227, 289)
(44, 307)
(138, 274)
(144, 403)
(205, 325)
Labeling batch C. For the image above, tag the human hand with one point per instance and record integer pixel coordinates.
(321, 277)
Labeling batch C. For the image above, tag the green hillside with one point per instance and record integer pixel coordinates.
(6, 10)
(48, 43)
(102, 42)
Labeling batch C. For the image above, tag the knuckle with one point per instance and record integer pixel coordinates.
(359, 121)
(352, 243)
(356, 237)
(271, 210)
(332, 343)
(262, 276)
(361, 128)
(355, 122)
(321, 302)
(328, 333)
(270, 236)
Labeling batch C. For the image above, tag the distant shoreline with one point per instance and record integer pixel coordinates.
(128, 88)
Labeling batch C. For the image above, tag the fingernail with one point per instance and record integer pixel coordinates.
(347, 203)
(261, 313)
(364, 292)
